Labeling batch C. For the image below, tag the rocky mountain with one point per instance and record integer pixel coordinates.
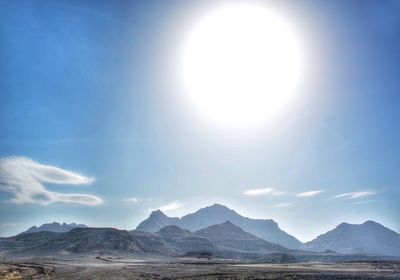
(231, 236)
(173, 231)
(54, 227)
(85, 241)
(224, 240)
(367, 238)
(185, 242)
(78, 240)
(169, 241)
(216, 214)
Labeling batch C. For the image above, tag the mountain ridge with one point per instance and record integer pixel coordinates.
(369, 237)
(54, 227)
(229, 235)
(266, 229)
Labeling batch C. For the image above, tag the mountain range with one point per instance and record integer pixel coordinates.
(170, 241)
(367, 238)
(235, 237)
(54, 227)
(216, 214)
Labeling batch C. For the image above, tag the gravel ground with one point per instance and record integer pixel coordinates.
(98, 269)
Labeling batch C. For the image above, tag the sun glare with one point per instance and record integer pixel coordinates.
(240, 64)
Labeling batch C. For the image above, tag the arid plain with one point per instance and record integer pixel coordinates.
(187, 268)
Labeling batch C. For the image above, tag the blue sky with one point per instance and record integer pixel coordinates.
(88, 87)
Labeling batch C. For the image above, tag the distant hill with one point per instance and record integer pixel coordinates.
(229, 235)
(367, 238)
(54, 227)
(217, 214)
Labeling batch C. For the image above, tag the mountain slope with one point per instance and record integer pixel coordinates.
(231, 236)
(216, 214)
(184, 241)
(169, 241)
(54, 227)
(367, 238)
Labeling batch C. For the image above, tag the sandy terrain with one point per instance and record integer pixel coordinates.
(191, 269)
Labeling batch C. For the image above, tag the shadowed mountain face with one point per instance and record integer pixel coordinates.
(367, 238)
(54, 227)
(230, 236)
(216, 214)
(86, 241)
(169, 241)
(224, 240)
(184, 241)
(78, 240)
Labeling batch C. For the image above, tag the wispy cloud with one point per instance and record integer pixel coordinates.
(354, 195)
(309, 193)
(280, 205)
(131, 199)
(171, 206)
(25, 179)
(265, 191)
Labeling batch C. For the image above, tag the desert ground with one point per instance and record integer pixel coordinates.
(101, 268)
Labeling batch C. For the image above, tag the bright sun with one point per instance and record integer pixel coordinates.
(241, 64)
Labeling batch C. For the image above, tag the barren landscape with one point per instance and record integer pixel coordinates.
(104, 268)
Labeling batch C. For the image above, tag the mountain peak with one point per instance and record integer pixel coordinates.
(343, 225)
(217, 205)
(216, 214)
(157, 213)
(173, 231)
(227, 224)
(224, 230)
(373, 223)
(369, 237)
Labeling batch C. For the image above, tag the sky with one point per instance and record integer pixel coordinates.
(96, 129)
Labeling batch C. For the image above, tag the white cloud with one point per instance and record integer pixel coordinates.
(265, 191)
(131, 199)
(280, 205)
(25, 178)
(354, 195)
(258, 192)
(309, 193)
(171, 206)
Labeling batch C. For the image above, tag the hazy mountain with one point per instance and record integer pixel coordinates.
(156, 221)
(216, 214)
(184, 241)
(231, 236)
(54, 227)
(169, 241)
(174, 232)
(224, 241)
(367, 238)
